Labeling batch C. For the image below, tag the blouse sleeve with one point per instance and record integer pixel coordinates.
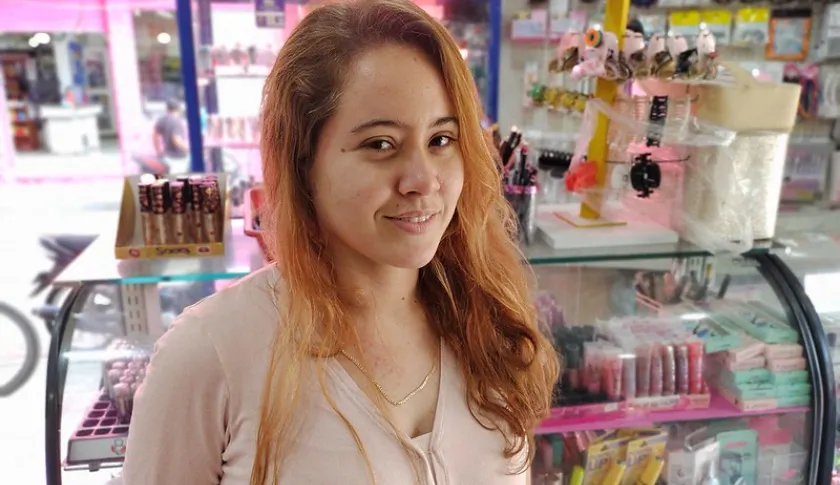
(178, 427)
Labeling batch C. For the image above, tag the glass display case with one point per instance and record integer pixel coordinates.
(812, 261)
(680, 367)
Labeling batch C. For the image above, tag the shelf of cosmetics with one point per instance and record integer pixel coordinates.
(596, 54)
(741, 351)
(101, 435)
(761, 450)
(235, 60)
(163, 217)
(232, 132)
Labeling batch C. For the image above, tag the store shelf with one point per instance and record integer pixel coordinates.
(98, 264)
(719, 408)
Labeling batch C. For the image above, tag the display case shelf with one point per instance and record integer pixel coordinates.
(98, 265)
(563, 420)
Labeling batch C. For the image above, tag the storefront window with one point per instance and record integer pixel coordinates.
(58, 102)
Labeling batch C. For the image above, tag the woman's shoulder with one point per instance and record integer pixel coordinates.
(227, 326)
(249, 301)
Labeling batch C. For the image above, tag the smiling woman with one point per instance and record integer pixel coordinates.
(395, 341)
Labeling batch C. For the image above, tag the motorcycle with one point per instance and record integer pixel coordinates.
(61, 250)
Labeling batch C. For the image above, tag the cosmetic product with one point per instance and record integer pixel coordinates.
(178, 216)
(528, 215)
(196, 204)
(210, 209)
(507, 147)
(572, 365)
(656, 370)
(668, 370)
(681, 377)
(145, 203)
(188, 215)
(695, 366)
(612, 374)
(593, 363)
(122, 401)
(112, 378)
(628, 375)
(643, 370)
(160, 204)
(577, 476)
(615, 473)
(652, 470)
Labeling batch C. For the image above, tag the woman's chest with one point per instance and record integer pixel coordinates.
(324, 451)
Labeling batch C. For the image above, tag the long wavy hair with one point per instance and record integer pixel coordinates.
(475, 290)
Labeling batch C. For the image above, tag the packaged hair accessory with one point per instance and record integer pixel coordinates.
(731, 193)
(752, 26)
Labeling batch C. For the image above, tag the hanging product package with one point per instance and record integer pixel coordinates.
(731, 192)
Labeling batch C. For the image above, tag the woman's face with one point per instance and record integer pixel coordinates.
(388, 170)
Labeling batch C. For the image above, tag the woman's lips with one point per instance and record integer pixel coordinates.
(415, 224)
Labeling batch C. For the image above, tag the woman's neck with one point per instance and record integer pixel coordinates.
(386, 300)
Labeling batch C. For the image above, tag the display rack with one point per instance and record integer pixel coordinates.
(82, 431)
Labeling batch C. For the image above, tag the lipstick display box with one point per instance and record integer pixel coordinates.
(132, 241)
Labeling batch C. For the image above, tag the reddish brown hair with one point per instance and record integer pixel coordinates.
(475, 289)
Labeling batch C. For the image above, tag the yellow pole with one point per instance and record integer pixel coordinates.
(615, 21)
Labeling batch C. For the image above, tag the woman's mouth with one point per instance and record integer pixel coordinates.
(414, 224)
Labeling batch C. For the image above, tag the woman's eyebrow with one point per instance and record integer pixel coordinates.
(380, 122)
(377, 122)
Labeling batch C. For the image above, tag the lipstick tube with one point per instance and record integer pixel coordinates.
(628, 375)
(159, 207)
(681, 367)
(669, 371)
(145, 203)
(643, 374)
(178, 217)
(187, 207)
(612, 374)
(593, 364)
(695, 366)
(196, 208)
(656, 371)
(210, 208)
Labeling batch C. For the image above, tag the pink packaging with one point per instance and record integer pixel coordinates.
(783, 351)
(786, 365)
(753, 363)
(749, 349)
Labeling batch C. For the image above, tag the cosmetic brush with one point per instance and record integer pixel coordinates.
(507, 147)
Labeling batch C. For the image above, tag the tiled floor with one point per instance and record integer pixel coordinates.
(25, 213)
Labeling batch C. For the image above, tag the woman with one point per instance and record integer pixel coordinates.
(396, 342)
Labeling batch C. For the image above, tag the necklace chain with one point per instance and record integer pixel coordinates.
(379, 387)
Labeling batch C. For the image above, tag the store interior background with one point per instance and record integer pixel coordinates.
(83, 85)
(120, 60)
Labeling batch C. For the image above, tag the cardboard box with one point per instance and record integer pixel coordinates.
(129, 242)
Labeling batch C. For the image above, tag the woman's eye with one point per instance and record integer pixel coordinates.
(379, 145)
(441, 141)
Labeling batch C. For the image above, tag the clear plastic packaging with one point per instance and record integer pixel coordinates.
(717, 188)
(123, 371)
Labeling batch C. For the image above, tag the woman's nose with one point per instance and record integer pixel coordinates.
(420, 174)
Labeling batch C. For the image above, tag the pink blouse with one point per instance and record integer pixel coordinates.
(197, 413)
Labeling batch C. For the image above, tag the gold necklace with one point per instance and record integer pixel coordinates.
(379, 388)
